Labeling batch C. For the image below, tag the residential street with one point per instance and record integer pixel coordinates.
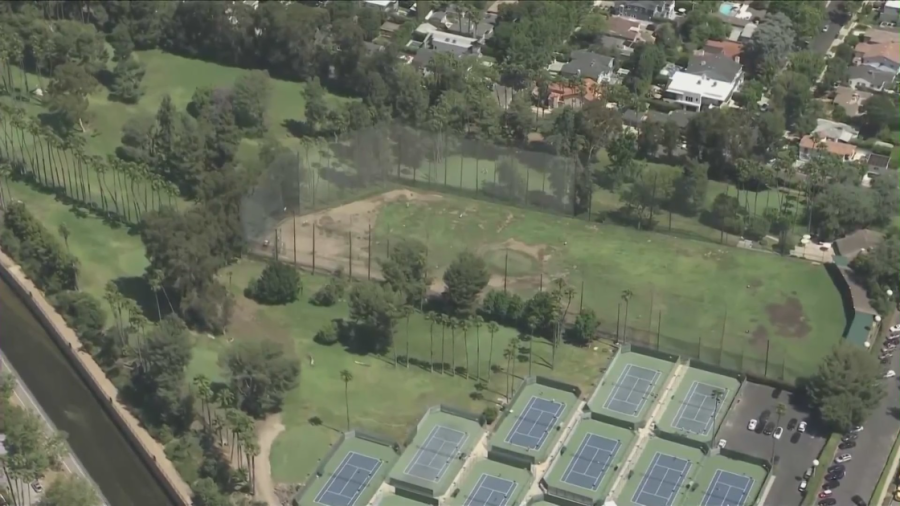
(23, 397)
(822, 42)
(874, 444)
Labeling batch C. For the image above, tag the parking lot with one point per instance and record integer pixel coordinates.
(795, 451)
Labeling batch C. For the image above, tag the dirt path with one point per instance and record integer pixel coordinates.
(266, 432)
(149, 445)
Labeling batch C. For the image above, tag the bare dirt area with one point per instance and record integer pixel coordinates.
(789, 318)
(266, 432)
(329, 234)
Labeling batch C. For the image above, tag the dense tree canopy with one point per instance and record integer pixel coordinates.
(465, 278)
(846, 388)
(261, 372)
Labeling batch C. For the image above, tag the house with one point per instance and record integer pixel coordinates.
(747, 33)
(453, 21)
(589, 64)
(388, 29)
(709, 81)
(850, 99)
(494, 8)
(503, 95)
(808, 147)
(385, 5)
(458, 45)
(646, 10)
(866, 77)
(877, 166)
(857, 242)
(628, 30)
(891, 11)
(880, 36)
(562, 94)
(883, 57)
(728, 48)
(834, 131)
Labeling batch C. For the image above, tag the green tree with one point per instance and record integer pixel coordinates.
(316, 110)
(279, 283)
(646, 195)
(585, 327)
(69, 490)
(251, 96)
(127, 78)
(121, 42)
(846, 388)
(689, 195)
(261, 372)
(769, 46)
(878, 114)
(406, 270)
(622, 153)
(465, 278)
(375, 308)
(68, 91)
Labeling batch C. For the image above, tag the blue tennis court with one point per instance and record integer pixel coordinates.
(534, 424)
(437, 451)
(697, 414)
(632, 389)
(491, 491)
(349, 480)
(727, 489)
(591, 461)
(660, 484)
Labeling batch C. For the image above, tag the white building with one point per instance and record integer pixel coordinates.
(385, 5)
(891, 11)
(709, 81)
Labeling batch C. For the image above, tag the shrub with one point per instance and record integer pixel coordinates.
(503, 308)
(40, 254)
(331, 293)
(757, 228)
(278, 284)
(84, 313)
(490, 414)
(327, 335)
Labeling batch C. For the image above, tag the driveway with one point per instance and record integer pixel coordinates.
(873, 445)
(821, 43)
(795, 451)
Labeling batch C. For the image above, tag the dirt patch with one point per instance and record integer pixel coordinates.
(330, 232)
(540, 252)
(506, 222)
(789, 318)
(266, 432)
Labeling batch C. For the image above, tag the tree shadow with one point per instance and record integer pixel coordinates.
(316, 421)
(137, 289)
(297, 128)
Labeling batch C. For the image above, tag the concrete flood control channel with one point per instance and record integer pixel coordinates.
(122, 476)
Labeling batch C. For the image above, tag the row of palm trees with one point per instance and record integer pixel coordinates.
(33, 151)
(230, 426)
(461, 325)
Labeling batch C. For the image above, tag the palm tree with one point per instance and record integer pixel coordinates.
(251, 450)
(443, 320)
(431, 317)
(626, 296)
(464, 327)
(477, 322)
(204, 391)
(510, 354)
(532, 325)
(453, 323)
(153, 279)
(347, 377)
(407, 312)
(492, 328)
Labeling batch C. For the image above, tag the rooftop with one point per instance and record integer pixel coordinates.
(563, 90)
(728, 48)
(833, 130)
(875, 77)
(852, 244)
(684, 82)
(835, 148)
(889, 51)
(623, 28)
(878, 162)
(881, 36)
(850, 99)
(714, 66)
(587, 63)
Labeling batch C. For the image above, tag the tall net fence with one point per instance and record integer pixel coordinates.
(340, 205)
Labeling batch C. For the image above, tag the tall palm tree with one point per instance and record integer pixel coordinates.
(477, 322)
(252, 451)
(347, 377)
(431, 317)
(532, 325)
(204, 391)
(453, 323)
(511, 354)
(626, 296)
(154, 280)
(464, 325)
(443, 320)
(492, 328)
(407, 312)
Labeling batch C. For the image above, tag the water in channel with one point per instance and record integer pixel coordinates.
(107, 456)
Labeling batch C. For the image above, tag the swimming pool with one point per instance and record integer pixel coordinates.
(725, 9)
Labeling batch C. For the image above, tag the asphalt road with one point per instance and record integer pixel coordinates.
(873, 445)
(25, 399)
(795, 451)
(821, 43)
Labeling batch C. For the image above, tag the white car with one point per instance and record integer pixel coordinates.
(778, 432)
(857, 429)
(36, 485)
(895, 329)
(844, 457)
(722, 443)
(890, 374)
(801, 427)
(803, 485)
(752, 424)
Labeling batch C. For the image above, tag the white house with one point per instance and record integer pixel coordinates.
(645, 9)
(709, 81)
(385, 5)
(891, 11)
(868, 77)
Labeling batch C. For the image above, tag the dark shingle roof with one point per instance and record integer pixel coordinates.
(423, 57)
(850, 245)
(587, 64)
(714, 66)
(874, 76)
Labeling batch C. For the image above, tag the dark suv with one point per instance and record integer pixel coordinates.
(858, 501)
(770, 428)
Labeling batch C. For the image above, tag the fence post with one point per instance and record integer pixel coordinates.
(369, 267)
(314, 248)
(294, 213)
(350, 255)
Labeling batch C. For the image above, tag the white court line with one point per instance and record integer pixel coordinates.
(660, 481)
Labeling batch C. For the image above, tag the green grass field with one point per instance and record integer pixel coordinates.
(692, 292)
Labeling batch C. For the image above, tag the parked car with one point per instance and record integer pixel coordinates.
(858, 501)
(809, 472)
(890, 374)
(825, 493)
(803, 485)
(764, 416)
(722, 443)
(857, 429)
(847, 445)
(844, 457)
(836, 475)
(778, 432)
(849, 437)
(792, 424)
(885, 360)
(802, 427)
(770, 428)
(828, 502)
(831, 485)
(837, 467)
(37, 487)
(751, 425)
(895, 328)
(795, 438)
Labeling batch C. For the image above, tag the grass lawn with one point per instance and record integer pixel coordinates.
(691, 289)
